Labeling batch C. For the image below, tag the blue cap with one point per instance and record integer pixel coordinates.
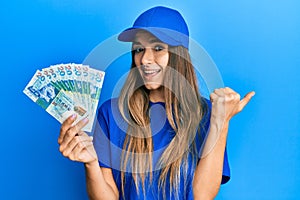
(164, 23)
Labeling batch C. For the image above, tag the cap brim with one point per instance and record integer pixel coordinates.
(167, 36)
(128, 35)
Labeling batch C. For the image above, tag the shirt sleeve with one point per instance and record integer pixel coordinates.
(226, 169)
(101, 138)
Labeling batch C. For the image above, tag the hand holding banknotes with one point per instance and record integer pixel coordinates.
(74, 143)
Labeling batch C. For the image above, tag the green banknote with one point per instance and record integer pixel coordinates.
(65, 89)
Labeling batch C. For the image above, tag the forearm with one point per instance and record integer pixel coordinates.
(97, 187)
(208, 175)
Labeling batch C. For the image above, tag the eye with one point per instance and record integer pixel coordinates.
(158, 48)
(138, 49)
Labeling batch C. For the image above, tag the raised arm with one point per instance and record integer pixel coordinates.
(208, 176)
(78, 146)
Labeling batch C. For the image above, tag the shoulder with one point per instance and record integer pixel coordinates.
(108, 107)
(205, 117)
(206, 109)
(108, 104)
(205, 102)
(109, 114)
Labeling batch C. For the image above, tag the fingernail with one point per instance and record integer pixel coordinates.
(73, 116)
(85, 120)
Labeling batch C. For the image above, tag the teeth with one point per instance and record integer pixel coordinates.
(151, 71)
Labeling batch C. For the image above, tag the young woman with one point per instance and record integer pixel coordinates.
(160, 139)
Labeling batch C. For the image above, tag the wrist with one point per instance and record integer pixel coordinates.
(219, 123)
(220, 127)
(92, 164)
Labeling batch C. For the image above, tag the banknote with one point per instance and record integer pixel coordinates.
(65, 89)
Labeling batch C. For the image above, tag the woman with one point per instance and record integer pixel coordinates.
(148, 142)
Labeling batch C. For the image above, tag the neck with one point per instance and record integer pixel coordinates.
(157, 95)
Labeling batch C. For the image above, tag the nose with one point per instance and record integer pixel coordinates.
(147, 57)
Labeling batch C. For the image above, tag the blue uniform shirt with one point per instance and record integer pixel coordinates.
(109, 137)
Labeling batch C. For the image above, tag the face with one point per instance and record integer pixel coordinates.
(151, 57)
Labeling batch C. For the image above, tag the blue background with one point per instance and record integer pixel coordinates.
(254, 43)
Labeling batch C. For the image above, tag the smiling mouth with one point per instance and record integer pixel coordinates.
(149, 73)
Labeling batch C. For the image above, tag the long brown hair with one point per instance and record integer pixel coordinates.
(184, 110)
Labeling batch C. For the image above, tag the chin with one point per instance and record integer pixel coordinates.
(152, 86)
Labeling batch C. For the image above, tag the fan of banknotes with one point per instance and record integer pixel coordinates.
(65, 89)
